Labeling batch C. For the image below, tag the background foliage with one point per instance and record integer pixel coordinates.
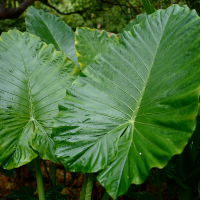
(109, 15)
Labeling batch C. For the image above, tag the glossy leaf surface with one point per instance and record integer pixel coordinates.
(52, 31)
(89, 43)
(33, 78)
(136, 106)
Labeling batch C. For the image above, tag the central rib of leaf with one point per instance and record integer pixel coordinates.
(32, 118)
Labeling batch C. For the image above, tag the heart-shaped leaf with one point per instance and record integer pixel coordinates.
(89, 43)
(136, 106)
(52, 31)
(33, 78)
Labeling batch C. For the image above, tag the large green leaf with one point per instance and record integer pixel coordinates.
(89, 43)
(33, 78)
(52, 31)
(136, 105)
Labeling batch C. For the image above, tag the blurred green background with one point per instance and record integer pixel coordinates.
(109, 15)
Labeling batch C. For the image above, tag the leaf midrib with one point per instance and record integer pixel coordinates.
(51, 33)
(132, 121)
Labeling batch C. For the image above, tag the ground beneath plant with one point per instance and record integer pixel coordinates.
(74, 182)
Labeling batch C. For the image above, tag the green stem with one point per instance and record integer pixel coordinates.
(73, 177)
(105, 196)
(64, 177)
(158, 184)
(54, 177)
(39, 179)
(86, 192)
(53, 172)
(45, 167)
(175, 194)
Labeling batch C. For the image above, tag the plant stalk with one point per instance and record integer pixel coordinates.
(105, 196)
(86, 192)
(64, 177)
(158, 184)
(40, 186)
(53, 172)
(54, 175)
(45, 167)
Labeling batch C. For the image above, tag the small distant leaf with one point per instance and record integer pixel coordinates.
(171, 172)
(24, 193)
(148, 7)
(52, 31)
(137, 20)
(54, 193)
(89, 43)
(183, 194)
(140, 195)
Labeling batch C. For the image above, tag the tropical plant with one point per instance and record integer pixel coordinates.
(131, 101)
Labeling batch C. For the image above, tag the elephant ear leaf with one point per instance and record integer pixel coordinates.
(136, 105)
(52, 31)
(91, 42)
(33, 78)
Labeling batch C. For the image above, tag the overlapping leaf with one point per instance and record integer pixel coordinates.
(136, 106)
(137, 20)
(148, 7)
(33, 78)
(89, 43)
(52, 31)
